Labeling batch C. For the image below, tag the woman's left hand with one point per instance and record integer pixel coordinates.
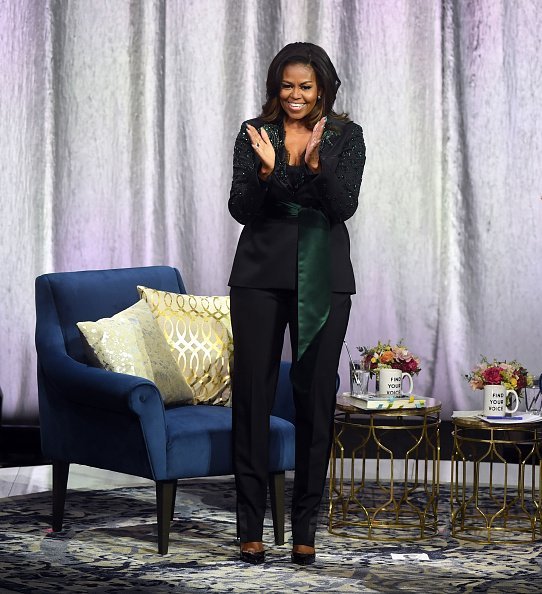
(312, 153)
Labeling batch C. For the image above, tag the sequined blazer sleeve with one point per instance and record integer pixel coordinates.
(339, 180)
(247, 192)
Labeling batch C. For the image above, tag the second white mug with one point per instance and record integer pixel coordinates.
(495, 401)
(390, 382)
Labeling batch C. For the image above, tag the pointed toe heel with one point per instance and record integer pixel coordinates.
(303, 558)
(252, 552)
(253, 557)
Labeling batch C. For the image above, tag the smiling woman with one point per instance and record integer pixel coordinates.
(315, 63)
(298, 91)
(296, 177)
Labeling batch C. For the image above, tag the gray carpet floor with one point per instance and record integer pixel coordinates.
(109, 545)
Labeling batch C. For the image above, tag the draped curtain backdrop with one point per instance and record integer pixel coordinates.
(117, 125)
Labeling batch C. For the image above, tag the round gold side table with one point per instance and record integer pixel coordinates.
(482, 510)
(400, 501)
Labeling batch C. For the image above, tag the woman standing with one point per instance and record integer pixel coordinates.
(297, 172)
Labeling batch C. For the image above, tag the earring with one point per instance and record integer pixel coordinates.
(319, 97)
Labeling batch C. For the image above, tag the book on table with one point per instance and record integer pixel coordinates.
(377, 402)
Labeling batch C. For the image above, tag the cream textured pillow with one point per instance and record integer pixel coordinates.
(198, 331)
(131, 342)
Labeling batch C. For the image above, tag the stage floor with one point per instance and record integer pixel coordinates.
(24, 480)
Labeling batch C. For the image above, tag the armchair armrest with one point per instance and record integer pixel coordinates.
(76, 381)
(72, 386)
(98, 388)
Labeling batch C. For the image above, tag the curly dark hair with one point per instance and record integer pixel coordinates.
(307, 54)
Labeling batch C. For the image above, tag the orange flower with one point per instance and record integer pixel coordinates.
(386, 357)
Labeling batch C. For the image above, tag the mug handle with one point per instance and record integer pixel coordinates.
(517, 401)
(411, 387)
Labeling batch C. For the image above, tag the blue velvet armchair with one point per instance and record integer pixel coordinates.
(118, 422)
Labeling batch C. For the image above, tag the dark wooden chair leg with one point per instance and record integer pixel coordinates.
(276, 492)
(165, 493)
(60, 486)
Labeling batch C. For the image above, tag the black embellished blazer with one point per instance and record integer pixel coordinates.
(266, 255)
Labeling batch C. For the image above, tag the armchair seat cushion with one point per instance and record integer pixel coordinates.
(199, 442)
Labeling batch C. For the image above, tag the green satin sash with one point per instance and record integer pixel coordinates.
(313, 272)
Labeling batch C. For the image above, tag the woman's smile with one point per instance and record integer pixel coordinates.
(296, 106)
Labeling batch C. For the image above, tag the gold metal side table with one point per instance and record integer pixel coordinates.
(400, 501)
(481, 510)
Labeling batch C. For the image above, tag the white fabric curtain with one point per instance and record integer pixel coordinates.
(117, 124)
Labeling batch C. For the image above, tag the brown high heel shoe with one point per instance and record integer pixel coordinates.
(303, 555)
(252, 552)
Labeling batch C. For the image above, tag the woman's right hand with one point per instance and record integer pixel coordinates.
(264, 149)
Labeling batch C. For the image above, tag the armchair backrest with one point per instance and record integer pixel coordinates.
(65, 298)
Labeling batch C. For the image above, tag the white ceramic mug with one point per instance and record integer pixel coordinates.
(390, 382)
(495, 401)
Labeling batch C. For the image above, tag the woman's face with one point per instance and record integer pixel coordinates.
(298, 90)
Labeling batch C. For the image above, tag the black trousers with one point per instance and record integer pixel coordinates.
(259, 320)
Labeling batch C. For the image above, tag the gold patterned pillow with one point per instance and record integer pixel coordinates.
(198, 331)
(131, 342)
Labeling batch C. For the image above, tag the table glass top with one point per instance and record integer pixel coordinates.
(478, 423)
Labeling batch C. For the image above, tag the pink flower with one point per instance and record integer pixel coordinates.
(476, 384)
(492, 375)
(412, 366)
(402, 353)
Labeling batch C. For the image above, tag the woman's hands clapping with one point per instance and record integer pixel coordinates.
(312, 152)
(264, 149)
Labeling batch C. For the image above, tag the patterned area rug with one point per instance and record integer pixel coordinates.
(109, 545)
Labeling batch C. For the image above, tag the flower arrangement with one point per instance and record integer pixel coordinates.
(388, 356)
(510, 374)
